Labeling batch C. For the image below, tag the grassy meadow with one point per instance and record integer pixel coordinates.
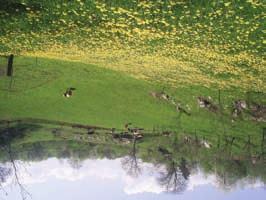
(116, 52)
(108, 98)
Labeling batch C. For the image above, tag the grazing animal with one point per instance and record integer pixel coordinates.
(137, 132)
(182, 110)
(187, 139)
(91, 131)
(206, 144)
(258, 112)
(241, 104)
(172, 101)
(156, 95)
(165, 96)
(160, 95)
(206, 103)
(164, 151)
(127, 129)
(69, 92)
(203, 102)
(238, 107)
(166, 133)
(112, 131)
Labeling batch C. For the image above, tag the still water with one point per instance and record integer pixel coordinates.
(102, 178)
(76, 165)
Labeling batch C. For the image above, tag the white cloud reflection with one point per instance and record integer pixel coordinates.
(110, 170)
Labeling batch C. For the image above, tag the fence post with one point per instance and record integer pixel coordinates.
(10, 65)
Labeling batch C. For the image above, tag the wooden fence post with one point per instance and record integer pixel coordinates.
(10, 65)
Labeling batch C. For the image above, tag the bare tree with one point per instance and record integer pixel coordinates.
(5, 172)
(130, 163)
(23, 191)
(75, 162)
(175, 177)
(6, 139)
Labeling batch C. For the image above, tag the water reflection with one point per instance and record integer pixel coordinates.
(109, 173)
(130, 163)
(155, 167)
(175, 177)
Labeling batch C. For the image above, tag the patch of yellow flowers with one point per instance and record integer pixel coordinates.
(151, 42)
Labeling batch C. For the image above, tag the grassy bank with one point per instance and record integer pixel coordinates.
(102, 97)
(116, 52)
(110, 99)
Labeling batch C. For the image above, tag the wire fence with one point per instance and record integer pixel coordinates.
(26, 76)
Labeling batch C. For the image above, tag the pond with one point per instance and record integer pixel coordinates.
(104, 178)
(70, 164)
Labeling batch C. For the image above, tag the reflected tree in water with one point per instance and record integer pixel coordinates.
(7, 135)
(175, 176)
(130, 163)
(75, 162)
(37, 152)
(15, 167)
(5, 172)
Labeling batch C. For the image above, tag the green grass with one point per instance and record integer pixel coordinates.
(189, 47)
(110, 99)
(102, 97)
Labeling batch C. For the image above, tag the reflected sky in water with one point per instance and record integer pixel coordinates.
(109, 179)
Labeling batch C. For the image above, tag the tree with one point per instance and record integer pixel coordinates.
(130, 163)
(175, 177)
(4, 173)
